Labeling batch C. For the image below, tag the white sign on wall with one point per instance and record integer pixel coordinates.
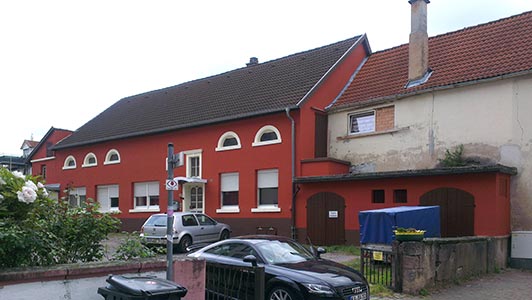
(333, 214)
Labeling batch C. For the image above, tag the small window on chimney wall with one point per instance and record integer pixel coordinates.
(399, 196)
(378, 196)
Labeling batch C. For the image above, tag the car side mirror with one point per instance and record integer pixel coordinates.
(320, 251)
(251, 259)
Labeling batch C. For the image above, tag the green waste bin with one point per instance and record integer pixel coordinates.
(141, 288)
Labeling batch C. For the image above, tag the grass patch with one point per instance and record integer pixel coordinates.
(380, 290)
(344, 249)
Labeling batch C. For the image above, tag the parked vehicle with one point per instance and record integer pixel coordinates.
(189, 228)
(292, 271)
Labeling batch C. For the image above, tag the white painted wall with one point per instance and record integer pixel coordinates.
(492, 120)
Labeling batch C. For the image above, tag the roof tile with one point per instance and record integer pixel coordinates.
(484, 51)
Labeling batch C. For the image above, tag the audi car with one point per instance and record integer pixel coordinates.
(292, 271)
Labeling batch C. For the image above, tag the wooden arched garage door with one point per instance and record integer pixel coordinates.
(325, 219)
(457, 210)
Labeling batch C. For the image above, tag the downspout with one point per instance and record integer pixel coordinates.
(293, 145)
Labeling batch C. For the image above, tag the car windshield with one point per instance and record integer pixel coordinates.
(283, 252)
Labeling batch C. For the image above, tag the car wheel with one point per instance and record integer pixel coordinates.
(185, 242)
(282, 293)
(224, 235)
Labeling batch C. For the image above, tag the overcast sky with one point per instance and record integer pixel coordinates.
(64, 62)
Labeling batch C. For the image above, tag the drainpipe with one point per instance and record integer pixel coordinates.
(293, 145)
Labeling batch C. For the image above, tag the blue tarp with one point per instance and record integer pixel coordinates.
(377, 225)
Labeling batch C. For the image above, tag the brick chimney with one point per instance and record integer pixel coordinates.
(418, 51)
(252, 61)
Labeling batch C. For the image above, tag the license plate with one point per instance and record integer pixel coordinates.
(358, 297)
(153, 241)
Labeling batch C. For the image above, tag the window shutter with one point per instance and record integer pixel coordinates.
(267, 178)
(229, 182)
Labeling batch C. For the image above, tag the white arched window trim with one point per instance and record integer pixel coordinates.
(108, 160)
(263, 130)
(221, 140)
(66, 163)
(86, 162)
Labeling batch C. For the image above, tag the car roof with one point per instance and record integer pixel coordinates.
(262, 237)
(179, 213)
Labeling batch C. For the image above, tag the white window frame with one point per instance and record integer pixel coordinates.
(267, 179)
(78, 193)
(189, 156)
(104, 193)
(87, 158)
(225, 136)
(144, 187)
(263, 130)
(108, 160)
(229, 182)
(67, 160)
(371, 126)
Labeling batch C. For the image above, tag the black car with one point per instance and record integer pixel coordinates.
(292, 271)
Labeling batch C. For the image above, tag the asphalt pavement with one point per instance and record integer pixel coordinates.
(509, 284)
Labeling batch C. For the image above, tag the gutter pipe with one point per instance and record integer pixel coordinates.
(293, 146)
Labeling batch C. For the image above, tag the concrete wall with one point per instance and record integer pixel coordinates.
(81, 282)
(437, 262)
(490, 119)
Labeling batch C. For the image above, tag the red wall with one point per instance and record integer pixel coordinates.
(492, 211)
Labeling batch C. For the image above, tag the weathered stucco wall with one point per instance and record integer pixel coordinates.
(489, 119)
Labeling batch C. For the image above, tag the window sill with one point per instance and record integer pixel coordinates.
(69, 168)
(266, 209)
(356, 136)
(88, 166)
(111, 162)
(142, 210)
(218, 149)
(222, 210)
(266, 143)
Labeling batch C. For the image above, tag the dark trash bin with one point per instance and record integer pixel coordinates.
(141, 288)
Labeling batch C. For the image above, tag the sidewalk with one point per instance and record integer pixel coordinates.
(509, 284)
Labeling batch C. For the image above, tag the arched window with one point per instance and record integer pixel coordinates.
(70, 163)
(90, 160)
(267, 135)
(112, 157)
(228, 141)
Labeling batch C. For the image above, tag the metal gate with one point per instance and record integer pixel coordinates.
(377, 266)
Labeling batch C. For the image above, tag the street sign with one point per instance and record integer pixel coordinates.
(172, 185)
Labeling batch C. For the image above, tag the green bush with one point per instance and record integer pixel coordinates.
(38, 231)
(132, 248)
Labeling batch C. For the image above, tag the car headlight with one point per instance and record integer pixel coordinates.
(319, 289)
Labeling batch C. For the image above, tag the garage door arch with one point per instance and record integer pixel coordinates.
(457, 210)
(326, 219)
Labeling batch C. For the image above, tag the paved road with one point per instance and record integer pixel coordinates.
(509, 284)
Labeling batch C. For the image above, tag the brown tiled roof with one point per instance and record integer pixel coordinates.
(481, 52)
(260, 89)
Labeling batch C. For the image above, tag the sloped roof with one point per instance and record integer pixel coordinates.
(259, 89)
(481, 52)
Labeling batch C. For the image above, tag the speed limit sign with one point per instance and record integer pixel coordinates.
(172, 185)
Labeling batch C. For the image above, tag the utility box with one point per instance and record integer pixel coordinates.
(377, 225)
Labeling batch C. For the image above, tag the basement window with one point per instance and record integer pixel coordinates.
(399, 196)
(378, 196)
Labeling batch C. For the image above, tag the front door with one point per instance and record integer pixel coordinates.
(325, 219)
(193, 197)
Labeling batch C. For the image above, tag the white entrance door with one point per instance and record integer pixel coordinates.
(194, 197)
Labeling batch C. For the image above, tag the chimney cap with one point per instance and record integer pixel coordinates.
(252, 61)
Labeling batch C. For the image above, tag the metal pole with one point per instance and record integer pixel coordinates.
(170, 218)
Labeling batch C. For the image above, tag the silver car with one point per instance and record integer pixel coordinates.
(189, 228)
